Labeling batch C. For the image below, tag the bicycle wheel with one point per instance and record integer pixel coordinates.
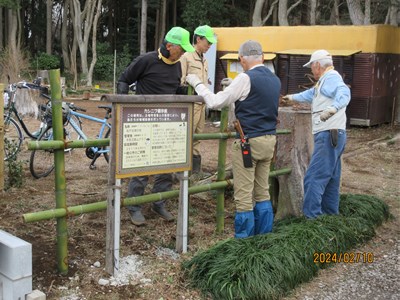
(70, 132)
(12, 137)
(41, 163)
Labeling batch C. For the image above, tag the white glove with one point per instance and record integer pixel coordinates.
(193, 80)
(226, 82)
(288, 97)
(327, 113)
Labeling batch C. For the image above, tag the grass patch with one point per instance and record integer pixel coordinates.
(269, 266)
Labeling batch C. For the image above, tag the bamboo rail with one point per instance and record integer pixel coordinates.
(43, 145)
(74, 211)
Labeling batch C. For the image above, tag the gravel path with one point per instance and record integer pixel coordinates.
(376, 280)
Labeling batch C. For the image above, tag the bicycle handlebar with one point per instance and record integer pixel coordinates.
(75, 108)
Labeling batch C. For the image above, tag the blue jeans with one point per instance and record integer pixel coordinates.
(162, 183)
(322, 179)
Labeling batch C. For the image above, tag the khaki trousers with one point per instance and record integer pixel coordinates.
(199, 116)
(251, 184)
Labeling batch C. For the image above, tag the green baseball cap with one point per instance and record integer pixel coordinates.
(207, 32)
(179, 36)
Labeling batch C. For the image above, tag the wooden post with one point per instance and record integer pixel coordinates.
(293, 150)
(1, 138)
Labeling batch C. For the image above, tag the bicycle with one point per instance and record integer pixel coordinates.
(13, 120)
(14, 136)
(41, 161)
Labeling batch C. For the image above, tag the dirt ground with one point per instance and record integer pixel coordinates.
(371, 166)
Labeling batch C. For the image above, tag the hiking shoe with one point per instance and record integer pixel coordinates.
(137, 218)
(162, 212)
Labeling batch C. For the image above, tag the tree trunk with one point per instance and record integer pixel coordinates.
(174, 13)
(157, 33)
(293, 150)
(393, 14)
(313, 11)
(270, 12)
(335, 17)
(143, 28)
(64, 37)
(49, 23)
(94, 42)
(282, 13)
(163, 21)
(367, 15)
(355, 12)
(73, 49)
(1, 28)
(12, 42)
(257, 13)
(83, 19)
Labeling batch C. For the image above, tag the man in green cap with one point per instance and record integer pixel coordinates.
(196, 63)
(156, 72)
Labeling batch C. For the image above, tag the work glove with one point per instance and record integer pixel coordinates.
(193, 80)
(327, 113)
(288, 97)
(226, 82)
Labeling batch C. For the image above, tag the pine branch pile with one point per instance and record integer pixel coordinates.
(269, 266)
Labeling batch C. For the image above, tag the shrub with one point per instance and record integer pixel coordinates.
(104, 69)
(46, 61)
(269, 266)
(15, 169)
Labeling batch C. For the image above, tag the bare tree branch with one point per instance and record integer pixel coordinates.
(293, 6)
(271, 10)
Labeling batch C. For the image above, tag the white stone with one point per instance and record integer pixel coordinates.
(97, 264)
(36, 295)
(104, 281)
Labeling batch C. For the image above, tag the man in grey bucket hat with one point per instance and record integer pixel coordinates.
(255, 94)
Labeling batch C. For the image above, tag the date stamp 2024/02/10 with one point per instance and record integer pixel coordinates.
(343, 257)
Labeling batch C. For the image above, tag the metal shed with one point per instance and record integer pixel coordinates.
(368, 57)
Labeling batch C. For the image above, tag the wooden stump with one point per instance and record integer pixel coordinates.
(293, 150)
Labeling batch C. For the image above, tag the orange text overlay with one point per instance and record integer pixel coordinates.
(345, 257)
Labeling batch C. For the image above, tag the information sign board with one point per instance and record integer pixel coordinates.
(153, 138)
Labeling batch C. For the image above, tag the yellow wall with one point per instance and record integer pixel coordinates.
(369, 39)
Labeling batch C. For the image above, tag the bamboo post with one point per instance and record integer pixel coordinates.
(1, 138)
(221, 171)
(60, 184)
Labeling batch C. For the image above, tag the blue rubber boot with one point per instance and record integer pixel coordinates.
(244, 224)
(263, 217)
